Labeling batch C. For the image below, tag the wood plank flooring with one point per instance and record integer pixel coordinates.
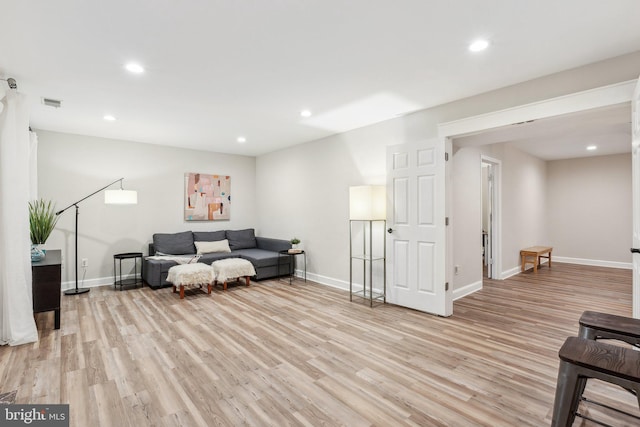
(274, 354)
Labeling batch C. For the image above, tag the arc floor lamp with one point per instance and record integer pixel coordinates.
(120, 197)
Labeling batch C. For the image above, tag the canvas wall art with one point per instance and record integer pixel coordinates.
(207, 197)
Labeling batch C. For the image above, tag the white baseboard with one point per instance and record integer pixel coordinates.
(467, 290)
(330, 281)
(510, 272)
(580, 261)
(344, 285)
(94, 283)
(594, 262)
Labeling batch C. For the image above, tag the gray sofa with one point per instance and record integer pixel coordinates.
(262, 252)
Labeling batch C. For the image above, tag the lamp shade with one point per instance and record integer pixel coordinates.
(367, 202)
(121, 197)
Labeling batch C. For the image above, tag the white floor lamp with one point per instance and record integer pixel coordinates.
(121, 197)
(367, 205)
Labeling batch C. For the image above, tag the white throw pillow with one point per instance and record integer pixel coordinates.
(210, 247)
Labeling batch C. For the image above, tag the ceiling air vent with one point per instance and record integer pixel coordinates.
(52, 102)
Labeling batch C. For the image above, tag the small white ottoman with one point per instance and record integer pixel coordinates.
(232, 268)
(190, 275)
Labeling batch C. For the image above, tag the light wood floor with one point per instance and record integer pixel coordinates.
(274, 354)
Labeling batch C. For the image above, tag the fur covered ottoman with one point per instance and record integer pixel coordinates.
(190, 275)
(232, 268)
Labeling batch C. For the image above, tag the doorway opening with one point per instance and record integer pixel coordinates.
(490, 217)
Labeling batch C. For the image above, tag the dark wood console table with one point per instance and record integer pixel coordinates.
(46, 284)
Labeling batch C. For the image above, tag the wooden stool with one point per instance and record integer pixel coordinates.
(581, 359)
(594, 326)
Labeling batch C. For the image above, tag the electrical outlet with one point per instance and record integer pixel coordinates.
(85, 262)
(456, 269)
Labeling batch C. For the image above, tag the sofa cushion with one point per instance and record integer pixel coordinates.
(262, 258)
(212, 247)
(241, 239)
(209, 236)
(174, 243)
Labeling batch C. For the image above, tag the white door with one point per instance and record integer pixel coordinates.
(416, 224)
(635, 155)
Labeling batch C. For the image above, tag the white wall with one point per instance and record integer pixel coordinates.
(580, 207)
(522, 211)
(466, 216)
(523, 205)
(303, 190)
(72, 166)
(589, 209)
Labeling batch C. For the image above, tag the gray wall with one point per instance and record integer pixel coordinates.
(589, 216)
(72, 166)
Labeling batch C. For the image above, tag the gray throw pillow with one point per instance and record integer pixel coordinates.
(241, 239)
(209, 236)
(174, 243)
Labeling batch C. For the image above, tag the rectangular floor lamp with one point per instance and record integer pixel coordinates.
(121, 196)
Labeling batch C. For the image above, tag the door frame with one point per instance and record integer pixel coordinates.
(496, 217)
(603, 96)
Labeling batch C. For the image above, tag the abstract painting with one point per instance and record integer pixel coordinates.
(207, 197)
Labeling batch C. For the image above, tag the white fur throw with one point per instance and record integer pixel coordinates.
(188, 259)
(229, 268)
(190, 274)
(211, 247)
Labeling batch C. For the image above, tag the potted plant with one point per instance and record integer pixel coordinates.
(295, 242)
(42, 221)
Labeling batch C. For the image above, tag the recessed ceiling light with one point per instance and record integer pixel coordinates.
(478, 45)
(134, 68)
(592, 147)
(109, 118)
(305, 113)
(241, 139)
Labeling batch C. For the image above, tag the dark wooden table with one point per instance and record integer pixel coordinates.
(46, 284)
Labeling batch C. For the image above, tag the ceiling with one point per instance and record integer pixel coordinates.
(216, 70)
(566, 136)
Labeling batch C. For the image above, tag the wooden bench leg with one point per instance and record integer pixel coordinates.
(248, 279)
(181, 291)
(523, 260)
(209, 288)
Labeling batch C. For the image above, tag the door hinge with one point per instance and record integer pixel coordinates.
(446, 286)
(446, 156)
(446, 220)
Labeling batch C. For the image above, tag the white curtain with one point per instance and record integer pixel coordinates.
(16, 308)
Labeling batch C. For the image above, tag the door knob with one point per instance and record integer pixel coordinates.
(635, 251)
(389, 230)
